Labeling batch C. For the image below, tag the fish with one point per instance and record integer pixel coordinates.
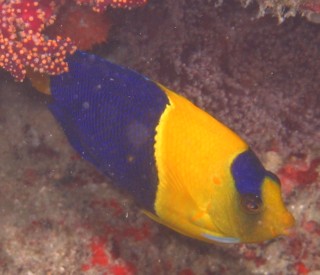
(184, 168)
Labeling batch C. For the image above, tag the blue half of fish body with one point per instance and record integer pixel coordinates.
(109, 123)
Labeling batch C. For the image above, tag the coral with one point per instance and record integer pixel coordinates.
(283, 9)
(25, 45)
(82, 25)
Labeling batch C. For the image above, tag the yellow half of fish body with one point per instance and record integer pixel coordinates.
(194, 153)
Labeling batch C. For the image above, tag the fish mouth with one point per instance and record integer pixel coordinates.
(288, 222)
(290, 230)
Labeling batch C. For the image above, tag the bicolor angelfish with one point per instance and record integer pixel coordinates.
(182, 166)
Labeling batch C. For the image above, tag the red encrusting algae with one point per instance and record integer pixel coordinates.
(102, 259)
(298, 172)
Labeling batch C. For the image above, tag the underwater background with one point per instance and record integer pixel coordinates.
(256, 75)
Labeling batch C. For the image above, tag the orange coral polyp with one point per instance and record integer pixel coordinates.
(21, 26)
(25, 45)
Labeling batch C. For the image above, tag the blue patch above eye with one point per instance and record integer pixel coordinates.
(248, 173)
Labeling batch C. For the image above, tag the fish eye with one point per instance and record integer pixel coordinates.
(251, 203)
